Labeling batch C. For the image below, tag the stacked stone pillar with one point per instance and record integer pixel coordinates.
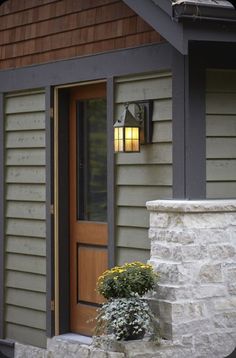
(193, 246)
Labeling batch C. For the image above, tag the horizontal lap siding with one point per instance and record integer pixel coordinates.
(146, 175)
(25, 240)
(221, 134)
(45, 31)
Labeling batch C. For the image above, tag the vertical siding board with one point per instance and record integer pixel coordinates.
(220, 134)
(147, 175)
(2, 227)
(26, 209)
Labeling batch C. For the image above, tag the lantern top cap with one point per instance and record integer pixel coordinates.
(127, 119)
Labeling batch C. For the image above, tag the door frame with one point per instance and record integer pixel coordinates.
(61, 197)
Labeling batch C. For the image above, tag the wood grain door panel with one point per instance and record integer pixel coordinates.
(88, 239)
(92, 262)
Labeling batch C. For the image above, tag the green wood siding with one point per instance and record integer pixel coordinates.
(25, 240)
(221, 134)
(146, 175)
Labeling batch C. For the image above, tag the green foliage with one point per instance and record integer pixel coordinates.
(127, 280)
(126, 318)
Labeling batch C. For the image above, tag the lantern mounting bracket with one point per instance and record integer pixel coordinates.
(143, 111)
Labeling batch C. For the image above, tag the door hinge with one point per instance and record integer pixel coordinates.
(52, 305)
(51, 112)
(52, 209)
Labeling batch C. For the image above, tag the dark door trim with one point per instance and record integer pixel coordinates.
(63, 210)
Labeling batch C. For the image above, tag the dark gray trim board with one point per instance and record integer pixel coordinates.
(195, 138)
(63, 220)
(88, 68)
(110, 172)
(189, 133)
(2, 218)
(179, 92)
(49, 214)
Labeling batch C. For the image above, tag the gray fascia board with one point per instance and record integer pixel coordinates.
(165, 5)
(160, 21)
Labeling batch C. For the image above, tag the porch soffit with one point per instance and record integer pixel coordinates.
(182, 21)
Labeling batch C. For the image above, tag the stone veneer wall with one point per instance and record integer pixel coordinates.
(193, 246)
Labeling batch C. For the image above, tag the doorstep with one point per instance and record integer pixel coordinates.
(69, 345)
(73, 337)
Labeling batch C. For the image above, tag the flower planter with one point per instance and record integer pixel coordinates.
(126, 314)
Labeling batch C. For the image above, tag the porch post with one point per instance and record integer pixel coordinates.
(189, 132)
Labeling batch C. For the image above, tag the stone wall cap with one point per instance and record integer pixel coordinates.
(192, 205)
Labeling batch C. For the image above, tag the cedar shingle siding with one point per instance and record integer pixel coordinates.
(40, 31)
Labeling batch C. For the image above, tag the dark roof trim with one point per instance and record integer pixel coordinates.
(160, 18)
(183, 21)
(221, 11)
(212, 3)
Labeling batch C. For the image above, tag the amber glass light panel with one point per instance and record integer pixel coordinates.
(118, 139)
(132, 143)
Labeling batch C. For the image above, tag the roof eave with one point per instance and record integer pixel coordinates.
(165, 26)
(189, 11)
(210, 24)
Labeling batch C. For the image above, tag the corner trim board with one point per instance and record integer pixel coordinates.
(110, 172)
(179, 89)
(195, 136)
(49, 215)
(2, 219)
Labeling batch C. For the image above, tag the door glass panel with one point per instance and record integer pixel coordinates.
(92, 160)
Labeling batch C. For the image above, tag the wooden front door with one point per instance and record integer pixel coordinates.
(88, 202)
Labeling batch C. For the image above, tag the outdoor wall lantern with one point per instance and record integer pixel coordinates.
(132, 130)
